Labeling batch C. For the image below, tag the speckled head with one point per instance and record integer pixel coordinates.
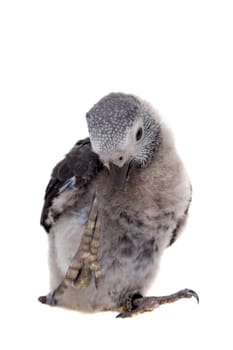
(110, 120)
(123, 133)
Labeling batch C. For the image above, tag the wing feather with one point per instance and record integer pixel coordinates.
(77, 169)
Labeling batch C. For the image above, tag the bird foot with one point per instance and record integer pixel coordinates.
(143, 304)
(84, 264)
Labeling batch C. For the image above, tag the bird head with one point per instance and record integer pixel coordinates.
(123, 134)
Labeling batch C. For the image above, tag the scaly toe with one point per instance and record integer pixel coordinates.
(143, 304)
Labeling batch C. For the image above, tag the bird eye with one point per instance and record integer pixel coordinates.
(139, 134)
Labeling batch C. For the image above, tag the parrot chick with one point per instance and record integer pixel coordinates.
(113, 205)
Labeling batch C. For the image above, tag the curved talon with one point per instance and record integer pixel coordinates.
(192, 294)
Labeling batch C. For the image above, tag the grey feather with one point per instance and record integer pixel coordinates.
(136, 224)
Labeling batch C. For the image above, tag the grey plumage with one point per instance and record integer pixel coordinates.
(142, 193)
(110, 122)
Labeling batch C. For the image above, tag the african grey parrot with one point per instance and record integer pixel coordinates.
(112, 206)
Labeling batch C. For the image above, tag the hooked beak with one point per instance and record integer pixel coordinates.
(119, 175)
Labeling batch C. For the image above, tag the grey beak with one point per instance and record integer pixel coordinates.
(119, 175)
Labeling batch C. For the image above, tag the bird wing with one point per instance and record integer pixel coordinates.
(77, 169)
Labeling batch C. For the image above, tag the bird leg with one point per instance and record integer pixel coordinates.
(84, 263)
(137, 304)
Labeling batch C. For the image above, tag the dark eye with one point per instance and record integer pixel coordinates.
(139, 134)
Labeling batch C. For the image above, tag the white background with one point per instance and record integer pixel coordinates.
(57, 59)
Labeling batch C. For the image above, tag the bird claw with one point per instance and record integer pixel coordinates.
(191, 293)
(47, 299)
(143, 304)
